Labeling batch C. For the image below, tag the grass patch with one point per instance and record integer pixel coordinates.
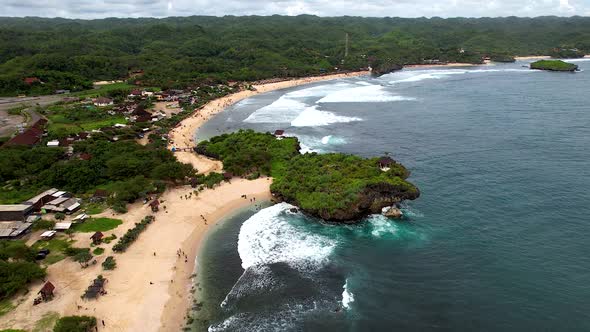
(94, 208)
(12, 196)
(103, 90)
(5, 307)
(98, 251)
(46, 323)
(64, 129)
(56, 247)
(97, 225)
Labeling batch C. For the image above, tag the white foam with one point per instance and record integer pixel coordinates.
(577, 60)
(362, 94)
(381, 225)
(347, 296)
(420, 75)
(282, 110)
(332, 140)
(312, 117)
(271, 237)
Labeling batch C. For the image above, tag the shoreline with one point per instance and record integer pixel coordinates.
(174, 314)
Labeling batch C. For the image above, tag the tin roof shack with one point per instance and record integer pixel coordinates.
(13, 229)
(47, 291)
(43, 198)
(15, 212)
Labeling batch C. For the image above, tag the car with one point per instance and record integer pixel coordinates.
(40, 256)
(44, 251)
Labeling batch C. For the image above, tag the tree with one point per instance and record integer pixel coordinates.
(14, 276)
(83, 256)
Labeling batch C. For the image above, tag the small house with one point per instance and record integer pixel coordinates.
(385, 163)
(62, 226)
(97, 237)
(103, 101)
(279, 133)
(48, 235)
(47, 291)
(31, 80)
(227, 176)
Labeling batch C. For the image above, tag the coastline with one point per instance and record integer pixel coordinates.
(180, 299)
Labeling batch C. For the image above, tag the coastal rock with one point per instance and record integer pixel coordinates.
(371, 200)
(394, 213)
(382, 69)
(293, 210)
(554, 65)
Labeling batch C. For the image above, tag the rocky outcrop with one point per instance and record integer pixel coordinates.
(371, 200)
(554, 65)
(393, 213)
(383, 69)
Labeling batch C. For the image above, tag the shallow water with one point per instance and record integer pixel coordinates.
(497, 241)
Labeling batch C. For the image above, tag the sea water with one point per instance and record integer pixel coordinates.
(498, 241)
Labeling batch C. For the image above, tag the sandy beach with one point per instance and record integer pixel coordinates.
(150, 290)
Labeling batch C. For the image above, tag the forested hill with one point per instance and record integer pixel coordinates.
(175, 51)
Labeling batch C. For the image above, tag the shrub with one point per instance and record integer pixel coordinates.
(98, 251)
(43, 224)
(132, 234)
(60, 216)
(109, 263)
(75, 324)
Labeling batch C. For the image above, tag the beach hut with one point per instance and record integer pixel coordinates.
(227, 176)
(385, 163)
(97, 237)
(48, 235)
(47, 291)
(279, 133)
(155, 205)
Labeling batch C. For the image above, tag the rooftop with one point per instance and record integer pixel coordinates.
(14, 207)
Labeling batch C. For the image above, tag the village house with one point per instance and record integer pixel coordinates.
(29, 137)
(103, 102)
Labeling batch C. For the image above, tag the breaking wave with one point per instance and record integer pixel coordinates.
(347, 296)
(420, 75)
(283, 110)
(312, 117)
(271, 236)
(363, 94)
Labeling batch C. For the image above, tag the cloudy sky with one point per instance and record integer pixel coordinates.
(402, 8)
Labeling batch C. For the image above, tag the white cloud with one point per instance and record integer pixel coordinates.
(379, 8)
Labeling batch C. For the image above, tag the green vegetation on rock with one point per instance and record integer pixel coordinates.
(553, 65)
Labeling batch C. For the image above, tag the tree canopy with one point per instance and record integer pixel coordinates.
(176, 51)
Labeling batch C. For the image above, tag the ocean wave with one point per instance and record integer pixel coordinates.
(420, 75)
(270, 236)
(312, 117)
(363, 94)
(283, 110)
(347, 296)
